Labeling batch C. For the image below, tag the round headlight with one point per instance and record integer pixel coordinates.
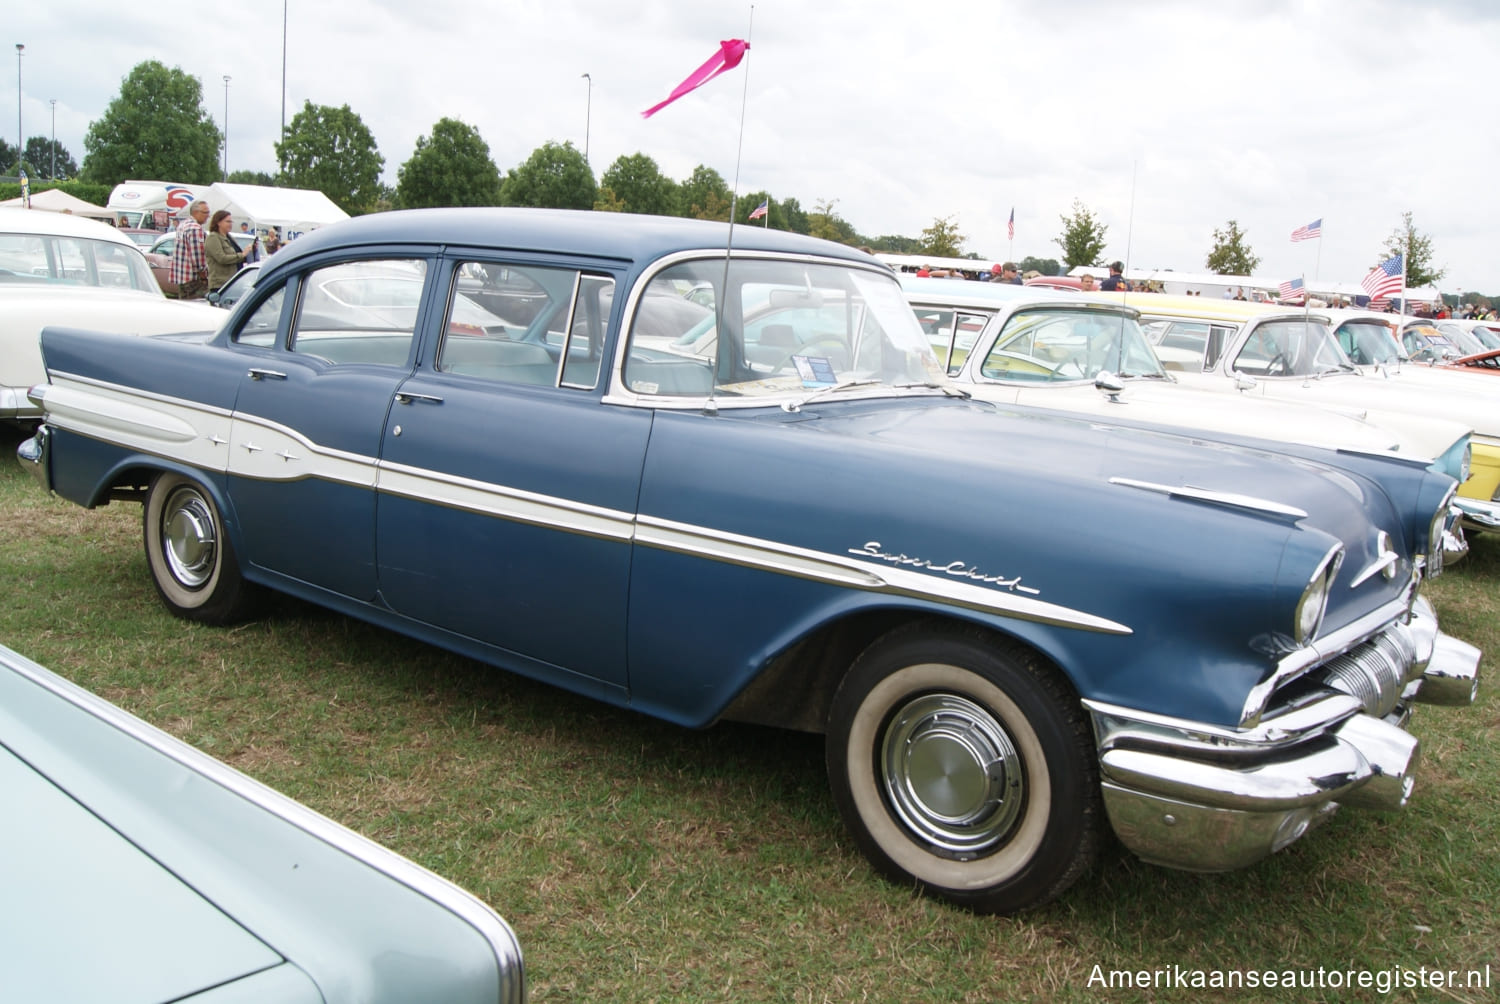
(1314, 601)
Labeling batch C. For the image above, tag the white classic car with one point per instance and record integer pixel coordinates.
(57, 269)
(1253, 350)
(1053, 349)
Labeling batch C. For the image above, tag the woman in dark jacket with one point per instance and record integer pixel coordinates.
(224, 256)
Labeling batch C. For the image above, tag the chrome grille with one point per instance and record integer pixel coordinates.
(1375, 672)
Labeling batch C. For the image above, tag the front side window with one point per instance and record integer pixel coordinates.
(1060, 344)
(1368, 343)
(775, 328)
(1290, 348)
(530, 324)
(77, 260)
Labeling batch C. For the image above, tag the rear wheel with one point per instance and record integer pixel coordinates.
(965, 766)
(192, 562)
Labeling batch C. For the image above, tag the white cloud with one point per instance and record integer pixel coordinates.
(1167, 119)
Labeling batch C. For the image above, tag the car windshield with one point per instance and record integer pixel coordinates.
(1468, 342)
(1489, 337)
(76, 261)
(1068, 343)
(1289, 347)
(1370, 343)
(788, 326)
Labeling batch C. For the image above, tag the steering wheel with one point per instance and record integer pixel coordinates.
(1279, 365)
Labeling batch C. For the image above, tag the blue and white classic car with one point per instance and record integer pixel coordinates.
(136, 868)
(511, 433)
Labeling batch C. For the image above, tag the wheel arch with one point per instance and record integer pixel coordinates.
(795, 690)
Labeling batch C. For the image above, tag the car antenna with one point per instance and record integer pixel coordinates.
(734, 198)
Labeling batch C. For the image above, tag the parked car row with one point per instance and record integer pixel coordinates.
(456, 423)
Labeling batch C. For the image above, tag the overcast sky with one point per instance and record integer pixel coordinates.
(1166, 119)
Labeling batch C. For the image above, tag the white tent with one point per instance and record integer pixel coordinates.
(55, 200)
(292, 211)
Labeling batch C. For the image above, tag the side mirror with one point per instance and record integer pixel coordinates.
(1243, 382)
(1109, 385)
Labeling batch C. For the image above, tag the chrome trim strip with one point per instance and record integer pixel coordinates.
(819, 566)
(512, 504)
(485, 921)
(1115, 725)
(1219, 498)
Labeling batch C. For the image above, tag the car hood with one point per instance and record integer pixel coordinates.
(1197, 410)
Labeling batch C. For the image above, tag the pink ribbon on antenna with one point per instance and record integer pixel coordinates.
(727, 58)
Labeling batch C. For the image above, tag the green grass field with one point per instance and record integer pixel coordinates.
(642, 862)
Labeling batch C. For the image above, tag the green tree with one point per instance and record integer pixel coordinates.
(896, 244)
(7, 158)
(704, 195)
(639, 185)
(607, 201)
(1230, 255)
(243, 177)
(829, 225)
(1417, 247)
(156, 128)
(452, 167)
(1046, 266)
(788, 214)
(1082, 239)
(555, 176)
(332, 150)
(42, 154)
(943, 239)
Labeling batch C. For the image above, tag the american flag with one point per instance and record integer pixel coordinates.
(1309, 232)
(1290, 290)
(1010, 228)
(761, 210)
(1384, 279)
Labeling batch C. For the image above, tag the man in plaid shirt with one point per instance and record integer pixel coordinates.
(189, 264)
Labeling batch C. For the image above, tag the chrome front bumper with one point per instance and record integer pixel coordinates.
(1209, 798)
(1478, 515)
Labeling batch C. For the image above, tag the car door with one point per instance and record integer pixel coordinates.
(324, 355)
(507, 488)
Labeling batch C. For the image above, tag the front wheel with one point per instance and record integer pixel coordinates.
(965, 765)
(191, 560)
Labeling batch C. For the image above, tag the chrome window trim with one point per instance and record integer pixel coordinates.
(618, 393)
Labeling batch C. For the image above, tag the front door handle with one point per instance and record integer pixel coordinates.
(256, 373)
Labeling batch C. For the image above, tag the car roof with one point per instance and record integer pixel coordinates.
(626, 236)
(1203, 308)
(994, 295)
(42, 221)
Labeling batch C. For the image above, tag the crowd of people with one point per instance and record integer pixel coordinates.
(203, 261)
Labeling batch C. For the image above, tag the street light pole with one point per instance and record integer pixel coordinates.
(226, 127)
(54, 139)
(281, 165)
(20, 133)
(588, 111)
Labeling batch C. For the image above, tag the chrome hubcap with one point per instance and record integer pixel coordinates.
(187, 536)
(952, 774)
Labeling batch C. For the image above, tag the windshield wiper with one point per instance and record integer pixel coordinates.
(821, 391)
(947, 388)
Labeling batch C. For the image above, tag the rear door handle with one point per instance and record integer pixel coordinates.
(407, 397)
(256, 373)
